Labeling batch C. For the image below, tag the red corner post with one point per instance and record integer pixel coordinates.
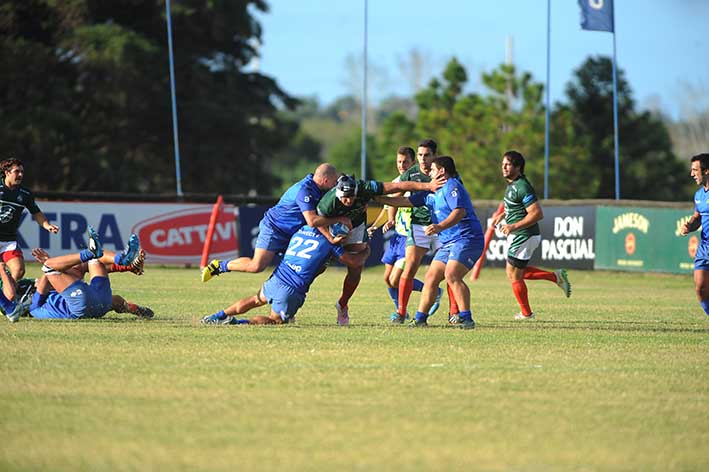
(488, 236)
(210, 231)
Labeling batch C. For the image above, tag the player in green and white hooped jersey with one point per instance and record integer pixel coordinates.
(349, 198)
(522, 215)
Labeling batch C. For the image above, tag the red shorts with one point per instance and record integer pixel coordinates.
(10, 250)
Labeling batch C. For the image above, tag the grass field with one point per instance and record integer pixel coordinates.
(614, 378)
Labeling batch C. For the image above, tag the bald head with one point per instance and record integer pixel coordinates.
(325, 176)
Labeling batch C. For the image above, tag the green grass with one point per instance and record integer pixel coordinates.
(614, 378)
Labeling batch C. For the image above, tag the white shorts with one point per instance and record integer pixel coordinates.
(417, 237)
(523, 247)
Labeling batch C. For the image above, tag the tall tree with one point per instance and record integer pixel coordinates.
(648, 168)
(86, 95)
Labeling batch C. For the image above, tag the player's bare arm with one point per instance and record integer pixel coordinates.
(452, 220)
(693, 224)
(318, 221)
(534, 215)
(44, 223)
(394, 201)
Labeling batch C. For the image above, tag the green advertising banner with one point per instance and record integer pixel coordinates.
(644, 239)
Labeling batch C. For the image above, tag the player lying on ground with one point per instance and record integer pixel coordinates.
(72, 298)
(287, 287)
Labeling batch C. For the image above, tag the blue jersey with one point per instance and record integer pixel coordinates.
(287, 215)
(446, 199)
(307, 251)
(701, 206)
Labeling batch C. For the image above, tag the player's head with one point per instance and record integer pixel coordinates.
(512, 165)
(699, 168)
(425, 153)
(443, 165)
(405, 158)
(13, 170)
(325, 176)
(346, 189)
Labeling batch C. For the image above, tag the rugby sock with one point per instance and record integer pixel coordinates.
(223, 266)
(534, 273)
(705, 306)
(240, 321)
(520, 290)
(85, 255)
(405, 288)
(453, 304)
(348, 289)
(394, 294)
(421, 317)
(418, 285)
(220, 314)
(465, 315)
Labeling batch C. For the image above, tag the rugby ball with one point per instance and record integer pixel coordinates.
(339, 229)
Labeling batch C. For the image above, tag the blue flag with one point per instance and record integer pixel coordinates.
(597, 15)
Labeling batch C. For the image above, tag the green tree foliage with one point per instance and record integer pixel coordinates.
(86, 96)
(648, 168)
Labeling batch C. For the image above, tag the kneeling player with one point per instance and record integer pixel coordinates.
(307, 251)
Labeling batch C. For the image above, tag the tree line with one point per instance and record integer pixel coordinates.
(86, 104)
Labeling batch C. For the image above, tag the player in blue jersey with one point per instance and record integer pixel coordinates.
(297, 207)
(287, 287)
(700, 174)
(14, 198)
(461, 236)
(62, 292)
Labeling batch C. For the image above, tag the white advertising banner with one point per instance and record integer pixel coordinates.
(170, 233)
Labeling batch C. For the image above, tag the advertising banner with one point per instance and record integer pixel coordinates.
(644, 239)
(568, 234)
(170, 233)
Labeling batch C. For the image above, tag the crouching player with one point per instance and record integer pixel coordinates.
(287, 287)
(73, 298)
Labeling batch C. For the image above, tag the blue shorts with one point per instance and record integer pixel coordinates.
(396, 249)
(701, 258)
(283, 299)
(271, 239)
(465, 251)
(78, 300)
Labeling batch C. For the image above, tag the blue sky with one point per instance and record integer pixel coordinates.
(662, 45)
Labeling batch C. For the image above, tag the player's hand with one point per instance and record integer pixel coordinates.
(432, 229)
(40, 254)
(371, 230)
(338, 239)
(504, 229)
(438, 182)
(52, 228)
(685, 230)
(387, 226)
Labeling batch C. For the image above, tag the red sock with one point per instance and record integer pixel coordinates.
(348, 289)
(520, 290)
(406, 286)
(451, 299)
(534, 273)
(119, 268)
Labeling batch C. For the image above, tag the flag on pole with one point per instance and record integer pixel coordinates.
(597, 15)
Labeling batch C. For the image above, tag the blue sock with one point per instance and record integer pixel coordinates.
(705, 306)
(223, 266)
(421, 317)
(418, 285)
(465, 315)
(220, 314)
(394, 294)
(86, 255)
(241, 321)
